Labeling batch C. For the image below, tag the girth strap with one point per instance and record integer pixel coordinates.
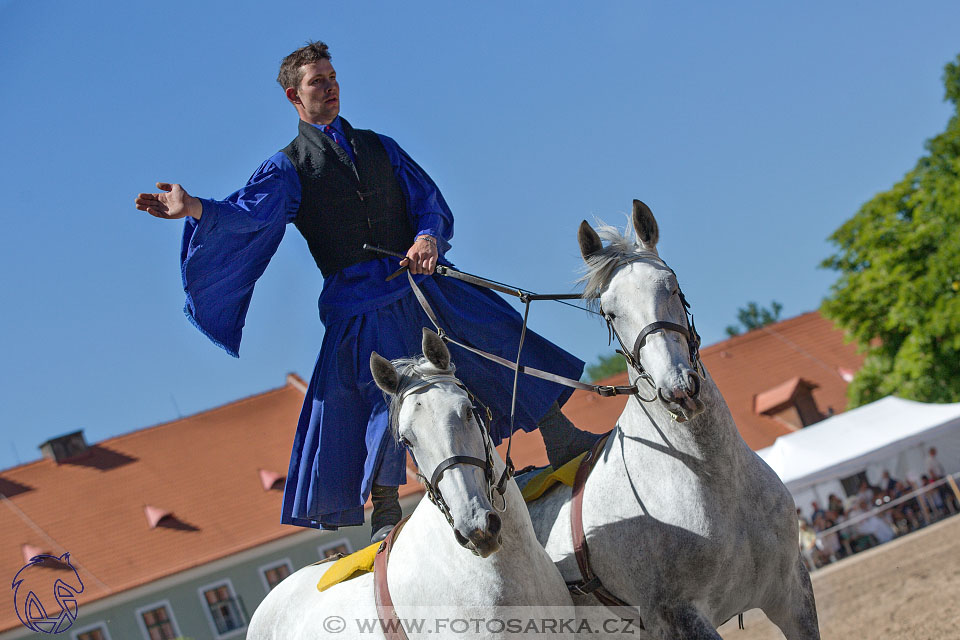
(389, 622)
(590, 582)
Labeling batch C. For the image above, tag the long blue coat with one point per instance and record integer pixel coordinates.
(342, 443)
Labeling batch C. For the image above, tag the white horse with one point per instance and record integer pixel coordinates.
(683, 521)
(491, 569)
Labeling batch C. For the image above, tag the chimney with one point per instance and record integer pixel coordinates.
(65, 448)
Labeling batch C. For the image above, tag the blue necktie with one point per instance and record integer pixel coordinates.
(333, 133)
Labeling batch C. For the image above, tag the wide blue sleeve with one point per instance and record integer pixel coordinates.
(224, 253)
(429, 212)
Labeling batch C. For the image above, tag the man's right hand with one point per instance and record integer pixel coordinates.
(173, 204)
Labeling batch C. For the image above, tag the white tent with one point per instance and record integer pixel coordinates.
(887, 435)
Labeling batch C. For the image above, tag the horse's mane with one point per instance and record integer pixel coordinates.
(411, 372)
(620, 247)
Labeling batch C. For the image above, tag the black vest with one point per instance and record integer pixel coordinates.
(342, 205)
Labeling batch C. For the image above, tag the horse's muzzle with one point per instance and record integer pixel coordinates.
(483, 542)
(683, 401)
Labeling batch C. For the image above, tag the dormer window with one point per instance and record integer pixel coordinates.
(790, 403)
(155, 515)
(271, 480)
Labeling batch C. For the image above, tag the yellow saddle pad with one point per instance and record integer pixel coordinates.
(539, 484)
(361, 561)
(349, 567)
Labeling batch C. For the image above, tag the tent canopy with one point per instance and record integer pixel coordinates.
(846, 443)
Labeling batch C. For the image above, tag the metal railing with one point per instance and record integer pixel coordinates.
(927, 510)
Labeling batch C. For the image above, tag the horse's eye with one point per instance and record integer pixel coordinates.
(404, 442)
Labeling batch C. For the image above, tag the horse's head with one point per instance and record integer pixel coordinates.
(432, 415)
(641, 300)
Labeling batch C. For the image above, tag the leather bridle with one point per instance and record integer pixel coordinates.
(432, 485)
(632, 355)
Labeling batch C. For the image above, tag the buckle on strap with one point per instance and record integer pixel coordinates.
(581, 588)
(606, 390)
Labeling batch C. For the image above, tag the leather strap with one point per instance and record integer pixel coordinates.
(602, 390)
(590, 583)
(453, 461)
(661, 325)
(389, 622)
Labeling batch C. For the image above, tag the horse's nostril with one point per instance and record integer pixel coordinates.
(463, 542)
(494, 524)
(694, 389)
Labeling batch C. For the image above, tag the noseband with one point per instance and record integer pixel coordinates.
(432, 485)
(689, 333)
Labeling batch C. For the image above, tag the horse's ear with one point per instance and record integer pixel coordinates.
(589, 240)
(646, 225)
(384, 373)
(435, 350)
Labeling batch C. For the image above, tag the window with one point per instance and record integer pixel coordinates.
(158, 623)
(223, 607)
(95, 632)
(273, 575)
(332, 549)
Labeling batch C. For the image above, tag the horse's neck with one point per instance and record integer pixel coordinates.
(711, 437)
(515, 516)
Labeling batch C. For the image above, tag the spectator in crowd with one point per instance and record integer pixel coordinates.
(808, 545)
(817, 512)
(829, 543)
(865, 492)
(911, 508)
(935, 470)
(835, 504)
(874, 526)
(932, 498)
(886, 482)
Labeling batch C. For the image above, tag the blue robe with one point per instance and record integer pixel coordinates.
(342, 443)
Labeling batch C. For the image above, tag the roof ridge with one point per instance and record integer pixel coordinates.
(753, 334)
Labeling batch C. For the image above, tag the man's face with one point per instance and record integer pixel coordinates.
(317, 98)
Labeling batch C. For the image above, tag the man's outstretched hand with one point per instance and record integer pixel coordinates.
(422, 256)
(173, 204)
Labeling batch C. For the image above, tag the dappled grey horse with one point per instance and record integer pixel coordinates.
(683, 521)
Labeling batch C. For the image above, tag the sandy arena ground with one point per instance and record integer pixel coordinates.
(906, 589)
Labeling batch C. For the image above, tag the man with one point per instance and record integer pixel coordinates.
(343, 187)
(934, 468)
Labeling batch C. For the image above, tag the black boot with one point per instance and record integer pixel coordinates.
(563, 441)
(386, 511)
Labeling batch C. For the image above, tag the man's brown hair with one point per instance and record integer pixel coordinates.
(291, 72)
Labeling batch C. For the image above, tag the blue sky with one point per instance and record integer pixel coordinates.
(752, 129)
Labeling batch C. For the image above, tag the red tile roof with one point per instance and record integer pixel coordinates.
(202, 471)
(208, 470)
(807, 346)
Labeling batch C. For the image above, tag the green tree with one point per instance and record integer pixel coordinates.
(898, 294)
(754, 316)
(605, 367)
